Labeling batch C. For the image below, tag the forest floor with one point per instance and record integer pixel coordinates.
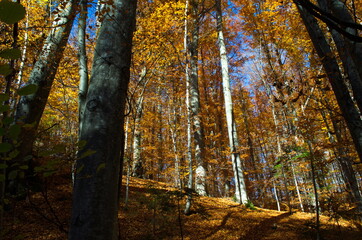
(154, 211)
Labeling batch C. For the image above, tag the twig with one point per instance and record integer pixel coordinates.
(38, 210)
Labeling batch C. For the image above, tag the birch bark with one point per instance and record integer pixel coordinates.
(83, 61)
(190, 181)
(240, 187)
(30, 107)
(137, 167)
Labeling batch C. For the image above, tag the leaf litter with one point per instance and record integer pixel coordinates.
(155, 211)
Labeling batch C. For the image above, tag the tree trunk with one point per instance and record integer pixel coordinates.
(173, 122)
(297, 187)
(190, 181)
(344, 100)
(137, 167)
(95, 194)
(30, 107)
(19, 78)
(83, 61)
(240, 187)
(348, 173)
(347, 49)
(192, 48)
(312, 160)
(354, 49)
(128, 159)
(276, 195)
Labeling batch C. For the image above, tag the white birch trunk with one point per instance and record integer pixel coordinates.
(276, 195)
(297, 188)
(30, 107)
(240, 187)
(137, 167)
(83, 61)
(127, 163)
(19, 79)
(173, 131)
(189, 143)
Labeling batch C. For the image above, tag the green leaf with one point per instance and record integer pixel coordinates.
(13, 174)
(21, 174)
(5, 147)
(28, 90)
(38, 169)
(19, 237)
(48, 173)
(5, 69)
(60, 148)
(14, 153)
(2, 178)
(3, 165)
(4, 97)
(8, 120)
(4, 108)
(28, 158)
(2, 131)
(15, 165)
(81, 144)
(24, 167)
(45, 153)
(101, 166)
(13, 53)
(87, 153)
(11, 12)
(80, 168)
(14, 131)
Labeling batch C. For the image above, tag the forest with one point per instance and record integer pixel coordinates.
(258, 103)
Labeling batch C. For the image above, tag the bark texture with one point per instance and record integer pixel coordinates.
(83, 60)
(194, 98)
(349, 111)
(137, 167)
(95, 194)
(30, 107)
(350, 52)
(240, 187)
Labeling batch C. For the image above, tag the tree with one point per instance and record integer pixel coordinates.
(194, 95)
(240, 187)
(345, 102)
(96, 187)
(83, 60)
(137, 166)
(30, 107)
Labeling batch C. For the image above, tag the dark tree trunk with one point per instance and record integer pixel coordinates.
(95, 194)
(349, 111)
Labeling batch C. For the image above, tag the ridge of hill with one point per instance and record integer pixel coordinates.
(155, 211)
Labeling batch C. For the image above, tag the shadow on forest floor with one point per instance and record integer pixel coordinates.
(264, 227)
(154, 212)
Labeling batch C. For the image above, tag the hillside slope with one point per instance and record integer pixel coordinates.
(154, 211)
